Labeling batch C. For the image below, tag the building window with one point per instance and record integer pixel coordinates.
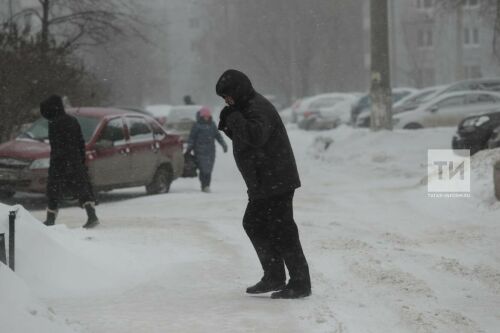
(475, 36)
(425, 39)
(471, 37)
(471, 4)
(194, 46)
(425, 4)
(472, 72)
(194, 23)
(428, 77)
(367, 60)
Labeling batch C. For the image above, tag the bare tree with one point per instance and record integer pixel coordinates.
(294, 46)
(417, 57)
(76, 23)
(27, 78)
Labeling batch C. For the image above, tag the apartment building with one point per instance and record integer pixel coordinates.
(431, 44)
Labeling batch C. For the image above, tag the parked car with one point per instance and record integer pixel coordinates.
(124, 149)
(302, 107)
(363, 105)
(361, 111)
(160, 112)
(412, 101)
(181, 119)
(328, 117)
(494, 140)
(314, 106)
(486, 84)
(448, 109)
(477, 132)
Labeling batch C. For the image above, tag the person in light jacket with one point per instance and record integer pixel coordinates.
(201, 141)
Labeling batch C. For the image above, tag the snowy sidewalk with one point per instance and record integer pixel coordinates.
(383, 257)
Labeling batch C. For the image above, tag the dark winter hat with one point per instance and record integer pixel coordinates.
(235, 84)
(52, 107)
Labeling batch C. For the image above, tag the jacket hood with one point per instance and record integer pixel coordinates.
(235, 84)
(52, 107)
(200, 115)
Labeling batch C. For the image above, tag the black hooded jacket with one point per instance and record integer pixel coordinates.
(261, 146)
(67, 146)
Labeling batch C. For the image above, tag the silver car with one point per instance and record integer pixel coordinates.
(448, 109)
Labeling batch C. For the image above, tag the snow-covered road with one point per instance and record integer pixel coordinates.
(383, 256)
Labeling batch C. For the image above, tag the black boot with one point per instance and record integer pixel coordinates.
(293, 290)
(265, 286)
(92, 219)
(51, 217)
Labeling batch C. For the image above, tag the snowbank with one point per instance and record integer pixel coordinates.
(21, 312)
(398, 154)
(399, 158)
(482, 164)
(59, 261)
(50, 263)
(401, 261)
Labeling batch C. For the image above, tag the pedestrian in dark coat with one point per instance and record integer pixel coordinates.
(202, 141)
(265, 159)
(67, 171)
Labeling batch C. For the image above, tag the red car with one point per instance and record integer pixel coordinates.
(124, 149)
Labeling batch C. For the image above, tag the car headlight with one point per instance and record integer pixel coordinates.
(476, 121)
(42, 163)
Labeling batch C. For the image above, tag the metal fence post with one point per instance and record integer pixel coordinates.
(12, 240)
(3, 256)
(496, 179)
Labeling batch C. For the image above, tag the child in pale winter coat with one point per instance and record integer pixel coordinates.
(202, 141)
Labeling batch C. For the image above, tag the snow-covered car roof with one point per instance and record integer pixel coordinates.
(308, 101)
(179, 112)
(418, 95)
(162, 110)
(440, 98)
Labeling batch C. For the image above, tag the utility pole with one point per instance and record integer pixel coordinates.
(380, 91)
(11, 10)
(45, 26)
(459, 68)
(293, 56)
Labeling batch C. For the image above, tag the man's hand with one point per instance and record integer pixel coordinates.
(226, 111)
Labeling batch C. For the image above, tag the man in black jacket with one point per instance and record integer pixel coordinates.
(67, 171)
(265, 159)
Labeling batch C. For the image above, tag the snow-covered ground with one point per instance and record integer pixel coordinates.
(383, 256)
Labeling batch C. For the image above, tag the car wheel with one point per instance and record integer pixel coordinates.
(161, 181)
(6, 194)
(413, 126)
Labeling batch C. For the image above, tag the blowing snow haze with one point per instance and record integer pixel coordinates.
(233, 166)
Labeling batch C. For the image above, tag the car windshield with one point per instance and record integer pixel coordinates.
(422, 96)
(396, 96)
(40, 128)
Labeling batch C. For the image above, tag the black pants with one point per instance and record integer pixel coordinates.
(270, 226)
(77, 186)
(205, 179)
